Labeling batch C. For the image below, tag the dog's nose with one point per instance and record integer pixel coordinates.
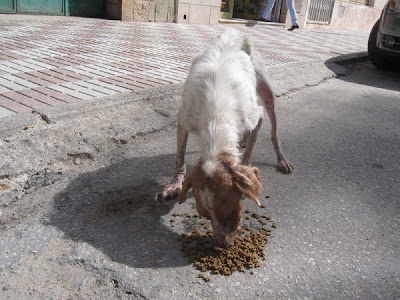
(223, 242)
(226, 241)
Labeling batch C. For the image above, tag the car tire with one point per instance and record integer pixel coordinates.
(375, 55)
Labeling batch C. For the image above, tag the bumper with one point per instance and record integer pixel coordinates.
(388, 39)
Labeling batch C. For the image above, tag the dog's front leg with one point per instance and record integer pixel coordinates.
(175, 186)
(251, 141)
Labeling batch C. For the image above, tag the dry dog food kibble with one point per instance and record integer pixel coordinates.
(204, 277)
(246, 253)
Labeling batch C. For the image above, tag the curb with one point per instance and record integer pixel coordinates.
(284, 79)
(17, 122)
(250, 22)
(294, 76)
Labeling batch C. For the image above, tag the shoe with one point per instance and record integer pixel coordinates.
(294, 27)
(261, 19)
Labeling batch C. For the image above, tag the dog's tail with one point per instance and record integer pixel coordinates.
(264, 89)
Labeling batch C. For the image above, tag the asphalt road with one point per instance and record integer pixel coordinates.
(88, 227)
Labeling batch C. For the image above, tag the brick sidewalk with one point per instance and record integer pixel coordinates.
(49, 62)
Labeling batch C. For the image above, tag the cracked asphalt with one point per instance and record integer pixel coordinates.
(78, 219)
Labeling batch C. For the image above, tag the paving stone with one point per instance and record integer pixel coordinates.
(67, 91)
(39, 65)
(55, 94)
(121, 84)
(10, 85)
(83, 89)
(106, 85)
(19, 81)
(44, 76)
(69, 61)
(34, 79)
(3, 89)
(5, 67)
(35, 95)
(12, 105)
(24, 100)
(110, 90)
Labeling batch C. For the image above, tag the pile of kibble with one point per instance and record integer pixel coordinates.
(246, 253)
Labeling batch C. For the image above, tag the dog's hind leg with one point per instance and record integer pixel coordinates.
(268, 97)
(264, 90)
(175, 186)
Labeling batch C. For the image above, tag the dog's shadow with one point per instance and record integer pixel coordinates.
(114, 210)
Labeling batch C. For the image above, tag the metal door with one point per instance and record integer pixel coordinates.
(48, 7)
(320, 10)
(7, 6)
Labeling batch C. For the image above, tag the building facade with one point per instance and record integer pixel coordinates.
(335, 14)
(314, 14)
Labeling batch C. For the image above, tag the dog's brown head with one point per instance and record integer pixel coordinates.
(218, 196)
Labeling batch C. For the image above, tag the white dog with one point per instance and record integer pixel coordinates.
(220, 106)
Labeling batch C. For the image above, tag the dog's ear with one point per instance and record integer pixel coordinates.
(248, 181)
(186, 186)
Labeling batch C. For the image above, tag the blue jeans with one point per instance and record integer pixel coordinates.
(290, 5)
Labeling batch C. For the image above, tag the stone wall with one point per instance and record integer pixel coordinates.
(148, 10)
(198, 11)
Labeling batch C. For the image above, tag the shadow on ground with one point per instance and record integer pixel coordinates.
(114, 210)
(359, 64)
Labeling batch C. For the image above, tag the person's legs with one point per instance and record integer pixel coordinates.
(268, 9)
(292, 11)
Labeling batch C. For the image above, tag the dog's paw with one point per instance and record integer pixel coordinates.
(285, 166)
(171, 191)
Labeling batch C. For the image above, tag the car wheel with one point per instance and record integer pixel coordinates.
(375, 55)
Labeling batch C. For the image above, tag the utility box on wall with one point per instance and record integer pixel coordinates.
(198, 11)
(148, 10)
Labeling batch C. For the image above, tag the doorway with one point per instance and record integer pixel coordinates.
(249, 9)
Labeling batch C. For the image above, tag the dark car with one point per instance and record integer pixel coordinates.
(384, 39)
